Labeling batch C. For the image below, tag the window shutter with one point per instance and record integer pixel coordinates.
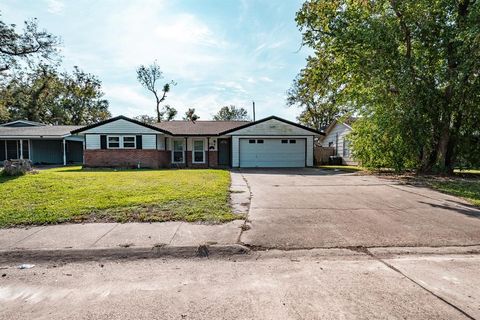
(139, 142)
(103, 142)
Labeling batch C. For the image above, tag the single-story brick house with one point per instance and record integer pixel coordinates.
(42, 144)
(269, 142)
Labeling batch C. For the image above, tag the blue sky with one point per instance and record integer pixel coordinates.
(220, 52)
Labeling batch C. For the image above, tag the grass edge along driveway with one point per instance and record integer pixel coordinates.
(73, 194)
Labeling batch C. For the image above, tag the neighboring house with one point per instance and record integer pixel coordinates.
(270, 142)
(42, 144)
(336, 137)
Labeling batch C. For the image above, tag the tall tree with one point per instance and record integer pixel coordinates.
(31, 43)
(231, 113)
(168, 113)
(319, 105)
(410, 69)
(46, 96)
(149, 76)
(145, 118)
(190, 115)
(81, 98)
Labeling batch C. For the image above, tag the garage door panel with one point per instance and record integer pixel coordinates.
(272, 153)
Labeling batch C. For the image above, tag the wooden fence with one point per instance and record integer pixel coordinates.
(321, 154)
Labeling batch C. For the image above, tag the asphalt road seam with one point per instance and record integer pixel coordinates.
(388, 265)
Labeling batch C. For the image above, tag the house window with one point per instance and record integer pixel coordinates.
(178, 153)
(284, 141)
(251, 141)
(113, 142)
(293, 141)
(198, 151)
(259, 141)
(129, 142)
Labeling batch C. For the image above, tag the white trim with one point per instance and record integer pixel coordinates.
(182, 140)
(119, 142)
(134, 142)
(193, 150)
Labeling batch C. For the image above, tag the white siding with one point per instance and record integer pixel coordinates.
(92, 141)
(121, 126)
(236, 147)
(149, 141)
(272, 127)
(337, 136)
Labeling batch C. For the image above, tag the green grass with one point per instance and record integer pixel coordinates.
(71, 194)
(465, 188)
(343, 168)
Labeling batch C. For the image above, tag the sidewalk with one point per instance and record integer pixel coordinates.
(78, 241)
(115, 238)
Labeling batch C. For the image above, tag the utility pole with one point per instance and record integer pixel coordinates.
(253, 102)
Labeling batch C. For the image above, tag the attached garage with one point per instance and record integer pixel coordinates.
(272, 143)
(272, 153)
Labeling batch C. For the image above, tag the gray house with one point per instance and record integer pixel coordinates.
(42, 144)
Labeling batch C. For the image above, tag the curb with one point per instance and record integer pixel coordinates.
(72, 255)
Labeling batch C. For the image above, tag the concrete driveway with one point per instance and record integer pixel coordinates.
(313, 208)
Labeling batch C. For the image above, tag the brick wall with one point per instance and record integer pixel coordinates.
(212, 155)
(127, 158)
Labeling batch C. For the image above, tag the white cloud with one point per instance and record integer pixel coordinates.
(55, 6)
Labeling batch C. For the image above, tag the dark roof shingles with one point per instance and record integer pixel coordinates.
(199, 127)
(56, 131)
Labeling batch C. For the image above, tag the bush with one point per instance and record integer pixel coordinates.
(16, 167)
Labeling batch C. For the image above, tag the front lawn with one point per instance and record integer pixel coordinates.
(71, 194)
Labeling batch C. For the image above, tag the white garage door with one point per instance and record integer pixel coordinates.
(273, 153)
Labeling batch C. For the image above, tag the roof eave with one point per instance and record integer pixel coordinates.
(273, 118)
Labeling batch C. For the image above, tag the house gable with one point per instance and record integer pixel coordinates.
(121, 125)
(273, 126)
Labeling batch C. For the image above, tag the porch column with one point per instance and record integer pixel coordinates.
(208, 152)
(21, 149)
(186, 152)
(64, 152)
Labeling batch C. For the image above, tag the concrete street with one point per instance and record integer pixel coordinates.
(315, 284)
(311, 208)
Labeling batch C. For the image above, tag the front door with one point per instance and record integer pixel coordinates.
(224, 152)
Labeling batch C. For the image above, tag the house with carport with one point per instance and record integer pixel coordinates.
(42, 144)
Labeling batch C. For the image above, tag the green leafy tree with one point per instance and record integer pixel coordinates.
(145, 118)
(149, 77)
(81, 99)
(30, 44)
(46, 96)
(231, 113)
(409, 69)
(190, 115)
